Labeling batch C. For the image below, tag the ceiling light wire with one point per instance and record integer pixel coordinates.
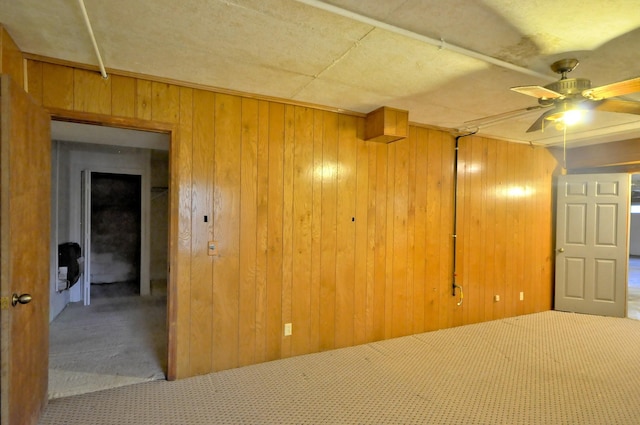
(103, 71)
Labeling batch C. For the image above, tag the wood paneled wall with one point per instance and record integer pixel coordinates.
(505, 220)
(350, 241)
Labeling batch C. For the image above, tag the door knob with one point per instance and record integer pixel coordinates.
(561, 250)
(22, 299)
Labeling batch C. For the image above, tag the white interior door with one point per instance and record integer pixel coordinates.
(86, 234)
(592, 244)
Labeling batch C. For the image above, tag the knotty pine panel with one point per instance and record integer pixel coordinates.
(349, 241)
(91, 92)
(123, 96)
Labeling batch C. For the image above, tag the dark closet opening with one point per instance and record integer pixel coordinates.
(116, 222)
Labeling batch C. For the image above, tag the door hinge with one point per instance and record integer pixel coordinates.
(5, 303)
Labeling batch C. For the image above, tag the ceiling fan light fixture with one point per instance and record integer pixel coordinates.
(567, 115)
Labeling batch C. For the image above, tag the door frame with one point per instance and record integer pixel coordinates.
(172, 131)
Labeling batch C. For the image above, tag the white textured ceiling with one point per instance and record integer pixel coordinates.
(358, 55)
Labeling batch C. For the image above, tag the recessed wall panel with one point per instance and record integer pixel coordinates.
(605, 273)
(574, 278)
(576, 224)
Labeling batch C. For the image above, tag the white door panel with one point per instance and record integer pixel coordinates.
(591, 239)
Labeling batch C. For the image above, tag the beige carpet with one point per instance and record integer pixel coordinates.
(544, 368)
(120, 339)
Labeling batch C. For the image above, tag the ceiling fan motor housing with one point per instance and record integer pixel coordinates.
(570, 86)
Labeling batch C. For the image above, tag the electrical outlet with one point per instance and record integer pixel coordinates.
(496, 298)
(521, 296)
(287, 329)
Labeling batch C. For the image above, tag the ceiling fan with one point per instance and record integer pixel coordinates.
(570, 96)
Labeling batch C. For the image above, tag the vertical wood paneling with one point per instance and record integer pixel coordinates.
(501, 228)
(165, 100)
(380, 261)
(399, 314)
(201, 326)
(436, 317)
(316, 232)
(226, 230)
(248, 232)
(349, 241)
(345, 227)
(361, 245)
(57, 86)
(329, 235)
(463, 229)
(287, 225)
(489, 169)
(302, 233)
(34, 72)
(372, 248)
(274, 231)
(389, 241)
(412, 296)
(181, 196)
(262, 231)
(143, 99)
(123, 97)
(423, 293)
(91, 92)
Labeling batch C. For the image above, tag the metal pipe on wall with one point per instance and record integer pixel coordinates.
(454, 283)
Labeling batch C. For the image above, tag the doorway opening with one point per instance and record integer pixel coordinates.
(109, 329)
(116, 225)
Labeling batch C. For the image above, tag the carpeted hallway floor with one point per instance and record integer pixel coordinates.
(543, 368)
(120, 339)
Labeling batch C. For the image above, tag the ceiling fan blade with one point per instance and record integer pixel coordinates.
(614, 89)
(537, 125)
(537, 92)
(616, 105)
